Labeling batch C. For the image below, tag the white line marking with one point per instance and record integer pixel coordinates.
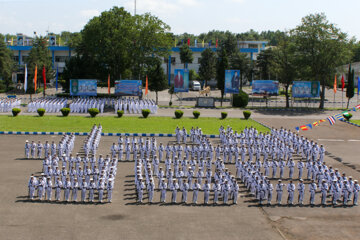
(353, 140)
(332, 140)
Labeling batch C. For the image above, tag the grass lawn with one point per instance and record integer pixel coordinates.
(120, 125)
(355, 121)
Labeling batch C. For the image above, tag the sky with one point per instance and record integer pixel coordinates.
(191, 16)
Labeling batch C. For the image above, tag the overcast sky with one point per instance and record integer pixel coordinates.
(192, 16)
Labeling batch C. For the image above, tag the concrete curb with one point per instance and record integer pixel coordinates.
(354, 124)
(261, 124)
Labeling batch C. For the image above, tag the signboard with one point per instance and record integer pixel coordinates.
(205, 102)
(20, 41)
(232, 81)
(52, 40)
(265, 87)
(128, 87)
(83, 87)
(306, 89)
(181, 80)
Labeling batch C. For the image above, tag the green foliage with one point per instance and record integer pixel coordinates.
(196, 114)
(156, 77)
(120, 113)
(263, 64)
(347, 116)
(221, 65)
(16, 111)
(240, 61)
(178, 114)
(170, 103)
(240, 100)
(7, 65)
(186, 55)
(193, 75)
(41, 111)
(224, 115)
(93, 112)
(246, 114)
(145, 113)
(207, 65)
(350, 85)
(65, 111)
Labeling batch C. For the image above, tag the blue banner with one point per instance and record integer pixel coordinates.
(232, 81)
(265, 87)
(83, 87)
(305, 89)
(128, 87)
(181, 80)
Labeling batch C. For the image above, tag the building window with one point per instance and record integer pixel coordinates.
(16, 58)
(253, 46)
(173, 60)
(61, 58)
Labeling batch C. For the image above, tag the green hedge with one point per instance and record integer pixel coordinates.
(240, 100)
(65, 111)
(224, 115)
(347, 116)
(120, 113)
(178, 114)
(16, 111)
(41, 112)
(196, 114)
(247, 114)
(93, 112)
(145, 113)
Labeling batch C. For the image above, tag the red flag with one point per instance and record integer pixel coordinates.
(146, 85)
(35, 78)
(188, 42)
(217, 42)
(109, 84)
(342, 83)
(44, 76)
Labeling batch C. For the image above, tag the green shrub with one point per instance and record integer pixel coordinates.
(145, 113)
(41, 112)
(196, 114)
(39, 90)
(170, 103)
(93, 112)
(178, 114)
(241, 99)
(247, 114)
(65, 111)
(16, 111)
(223, 115)
(120, 113)
(347, 116)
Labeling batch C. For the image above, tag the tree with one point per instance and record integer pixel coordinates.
(240, 61)
(321, 48)
(156, 77)
(221, 65)
(186, 55)
(7, 65)
(284, 62)
(207, 65)
(263, 64)
(193, 75)
(350, 85)
(39, 56)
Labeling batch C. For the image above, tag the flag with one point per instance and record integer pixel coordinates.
(203, 43)
(335, 85)
(210, 43)
(146, 85)
(59, 41)
(216, 43)
(35, 78)
(174, 42)
(346, 114)
(304, 128)
(297, 129)
(331, 120)
(12, 41)
(195, 42)
(309, 125)
(357, 106)
(358, 87)
(25, 79)
(339, 116)
(315, 124)
(322, 120)
(188, 42)
(342, 83)
(57, 78)
(44, 76)
(109, 84)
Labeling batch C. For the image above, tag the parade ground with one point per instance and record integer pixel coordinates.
(126, 219)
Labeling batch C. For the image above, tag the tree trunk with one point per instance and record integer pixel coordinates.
(348, 103)
(322, 95)
(287, 95)
(241, 79)
(222, 97)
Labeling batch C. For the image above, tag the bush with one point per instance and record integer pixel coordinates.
(223, 115)
(347, 116)
(16, 111)
(41, 112)
(196, 114)
(170, 103)
(120, 113)
(179, 114)
(247, 114)
(65, 111)
(93, 112)
(39, 90)
(145, 113)
(241, 99)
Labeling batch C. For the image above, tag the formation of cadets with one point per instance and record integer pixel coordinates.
(69, 176)
(258, 158)
(81, 105)
(7, 104)
(131, 105)
(51, 105)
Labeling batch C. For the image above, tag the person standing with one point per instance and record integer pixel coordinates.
(196, 187)
(279, 192)
(312, 190)
(301, 190)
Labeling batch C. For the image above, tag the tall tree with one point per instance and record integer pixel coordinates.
(350, 85)
(240, 61)
(186, 55)
(207, 65)
(263, 64)
(221, 65)
(156, 77)
(321, 47)
(39, 56)
(7, 65)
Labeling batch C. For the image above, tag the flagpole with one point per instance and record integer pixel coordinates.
(334, 99)
(342, 98)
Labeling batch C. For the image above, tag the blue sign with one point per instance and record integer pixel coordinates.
(181, 80)
(265, 87)
(232, 81)
(128, 87)
(83, 87)
(306, 89)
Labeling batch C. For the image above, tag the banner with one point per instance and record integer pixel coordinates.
(20, 41)
(52, 40)
(128, 87)
(83, 87)
(306, 89)
(181, 80)
(265, 87)
(232, 81)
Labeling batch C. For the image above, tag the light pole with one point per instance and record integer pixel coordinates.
(135, 8)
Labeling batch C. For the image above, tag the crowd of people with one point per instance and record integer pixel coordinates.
(131, 105)
(51, 105)
(82, 105)
(7, 104)
(69, 176)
